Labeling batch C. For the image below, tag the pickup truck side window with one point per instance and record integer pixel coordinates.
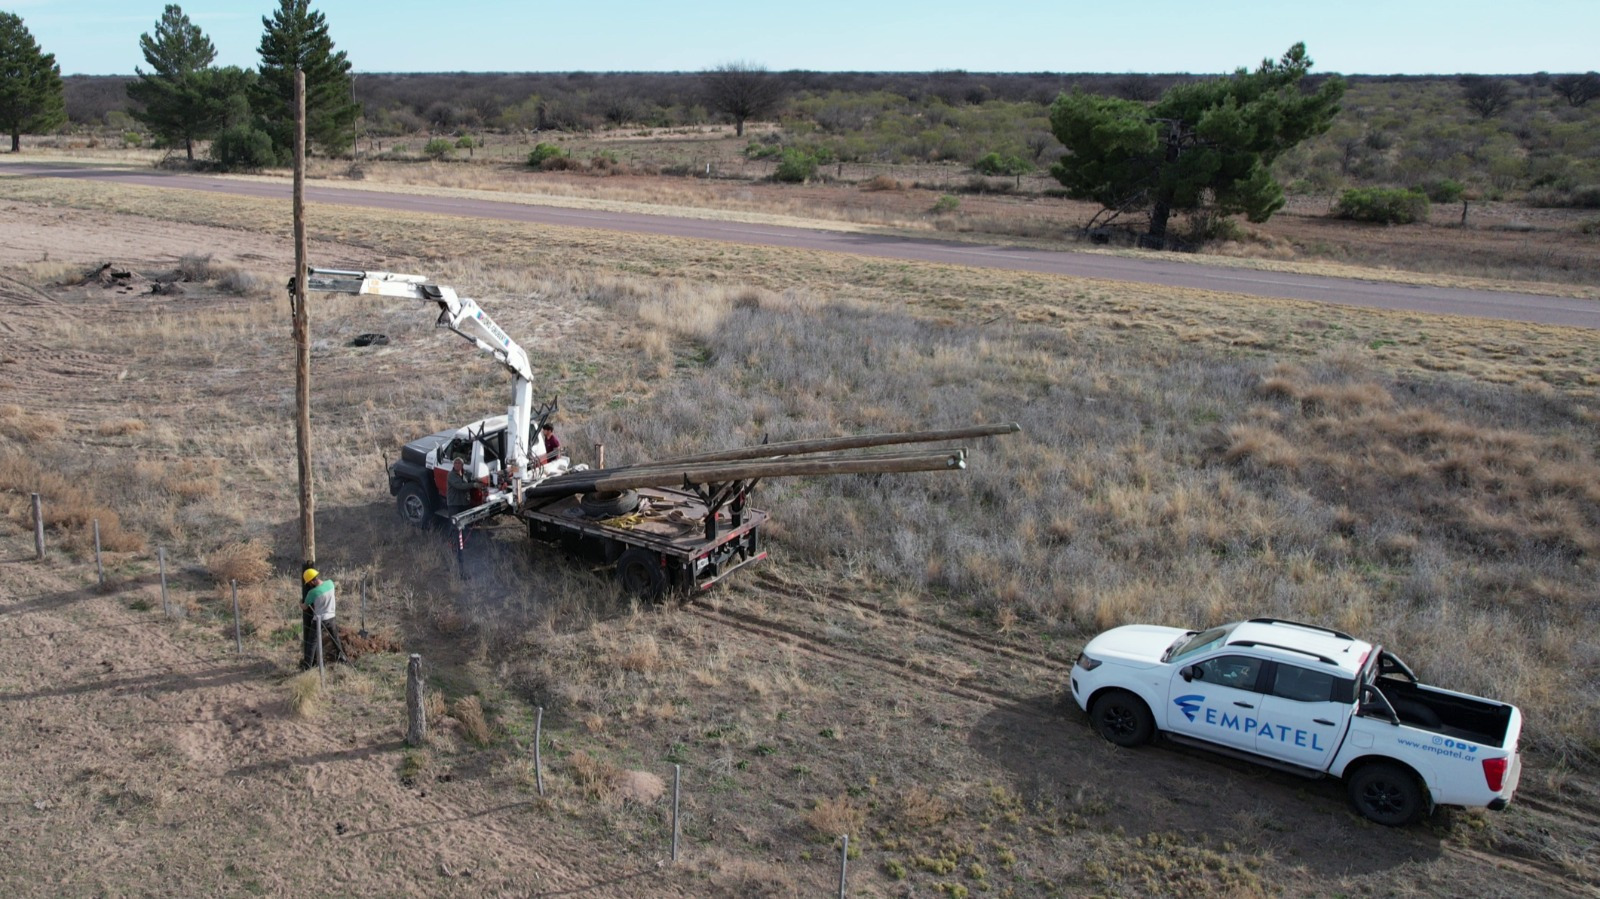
(1239, 672)
(1303, 684)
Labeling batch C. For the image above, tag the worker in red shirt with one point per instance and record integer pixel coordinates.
(552, 445)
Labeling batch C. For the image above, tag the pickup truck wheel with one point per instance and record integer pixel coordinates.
(1122, 718)
(1387, 794)
(642, 575)
(413, 505)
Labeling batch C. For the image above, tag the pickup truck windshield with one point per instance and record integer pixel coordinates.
(1189, 644)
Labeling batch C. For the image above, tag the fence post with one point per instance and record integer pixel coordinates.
(417, 723)
(100, 570)
(538, 749)
(844, 862)
(322, 672)
(677, 779)
(38, 527)
(238, 641)
(363, 631)
(161, 559)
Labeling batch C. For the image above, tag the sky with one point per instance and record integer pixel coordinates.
(1371, 37)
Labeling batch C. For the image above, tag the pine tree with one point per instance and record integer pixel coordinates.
(1204, 145)
(297, 37)
(179, 97)
(31, 98)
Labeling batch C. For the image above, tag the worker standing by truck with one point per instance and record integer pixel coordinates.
(458, 495)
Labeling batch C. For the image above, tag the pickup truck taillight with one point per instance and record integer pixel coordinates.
(1494, 773)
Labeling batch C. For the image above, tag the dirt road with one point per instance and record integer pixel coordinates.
(1531, 308)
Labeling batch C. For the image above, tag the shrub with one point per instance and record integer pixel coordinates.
(242, 147)
(762, 150)
(882, 182)
(132, 139)
(561, 163)
(1586, 196)
(543, 153)
(796, 166)
(995, 164)
(947, 203)
(465, 142)
(439, 148)
(1386, 205)
(1442, 190)
(243, 562)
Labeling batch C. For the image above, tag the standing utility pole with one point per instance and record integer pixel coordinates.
(302, 331)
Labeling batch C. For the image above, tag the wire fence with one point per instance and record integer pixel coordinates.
(417, 725)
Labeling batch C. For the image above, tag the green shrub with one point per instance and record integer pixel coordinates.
(995, 164)
(242, 147)
(758, 150)
(1442, 190)
(465, 142)
(947, 203)
(796, 166)
(439, 148)
(1385, 205)
(542, 152)
(132, 139)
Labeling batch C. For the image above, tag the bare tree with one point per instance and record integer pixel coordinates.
(1486, 96)
(1577, 89)
(741, 91)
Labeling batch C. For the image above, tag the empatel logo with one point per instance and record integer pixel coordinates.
(1190, 705)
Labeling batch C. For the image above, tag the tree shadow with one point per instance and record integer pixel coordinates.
(338, 755)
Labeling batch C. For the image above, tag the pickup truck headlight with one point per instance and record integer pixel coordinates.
(1087, 663)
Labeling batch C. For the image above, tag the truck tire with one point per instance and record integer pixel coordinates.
(641, 574)
(1387, 794)
(608, 503)
(1122, 718)
(415, 506)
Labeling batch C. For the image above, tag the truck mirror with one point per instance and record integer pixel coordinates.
(1193, 672)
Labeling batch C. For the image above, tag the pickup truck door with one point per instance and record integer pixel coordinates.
(1217, 701)
(1302, 722)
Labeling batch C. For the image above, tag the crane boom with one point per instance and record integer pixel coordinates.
(465, 317)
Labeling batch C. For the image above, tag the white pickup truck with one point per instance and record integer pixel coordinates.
(1308, 700)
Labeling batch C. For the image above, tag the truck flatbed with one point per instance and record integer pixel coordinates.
(665, 544)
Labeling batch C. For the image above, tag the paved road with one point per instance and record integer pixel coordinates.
(1531, 308)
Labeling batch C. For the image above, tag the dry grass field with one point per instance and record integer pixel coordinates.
(895, 671)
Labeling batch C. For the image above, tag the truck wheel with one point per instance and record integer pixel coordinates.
(641, 574)
(1387, 794)
(1122, 718)
(414, 507)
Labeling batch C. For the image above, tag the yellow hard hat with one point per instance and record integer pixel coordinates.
(309, 576)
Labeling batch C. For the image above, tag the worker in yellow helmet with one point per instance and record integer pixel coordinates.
(318, 604)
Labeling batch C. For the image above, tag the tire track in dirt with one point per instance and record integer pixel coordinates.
(949, 632)
(1545, 874)
(904, 669)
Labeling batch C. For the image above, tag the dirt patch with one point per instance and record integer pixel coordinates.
(356, 646)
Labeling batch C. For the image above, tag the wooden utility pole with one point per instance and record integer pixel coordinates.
(302, 332)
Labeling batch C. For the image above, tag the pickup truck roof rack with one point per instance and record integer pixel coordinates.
(1326, 630)
(1318, 656)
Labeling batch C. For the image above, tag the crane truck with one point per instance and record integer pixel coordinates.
(672, 526)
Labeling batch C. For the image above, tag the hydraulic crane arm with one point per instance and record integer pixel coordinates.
(463, 316)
